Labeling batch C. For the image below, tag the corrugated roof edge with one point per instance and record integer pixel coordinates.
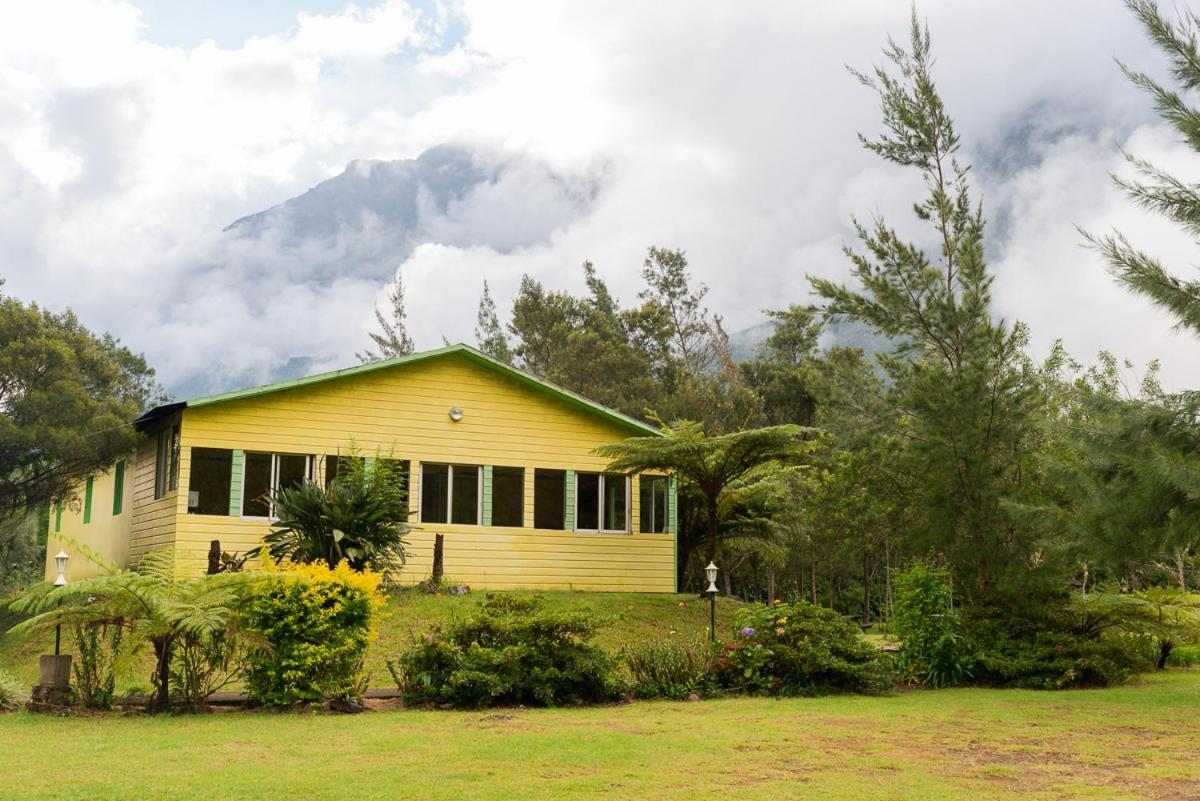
(478, 357)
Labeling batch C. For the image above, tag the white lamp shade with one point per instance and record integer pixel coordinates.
(60, 563)
(710, 573)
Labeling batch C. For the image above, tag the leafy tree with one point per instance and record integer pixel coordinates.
(361, 517)
(781, 371)
(584, 344)
(965, 409)
(488, 331)
(392, 339)
(1137, 470)
(67, 397)
(172, 616)
(1168, 617)
(22, 548)
(712, 465)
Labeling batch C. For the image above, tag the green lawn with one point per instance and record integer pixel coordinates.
(629, 617)
(1137, 741)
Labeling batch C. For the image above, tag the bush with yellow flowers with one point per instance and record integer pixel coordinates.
(319, 622)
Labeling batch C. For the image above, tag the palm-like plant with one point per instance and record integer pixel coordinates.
(361, 518)
(156, 609)
(1168, 616)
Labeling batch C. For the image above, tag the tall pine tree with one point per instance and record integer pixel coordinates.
(392, 339)
(966, 412)
(488, 331)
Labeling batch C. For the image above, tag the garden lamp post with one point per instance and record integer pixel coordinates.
(711, 573)
(60, 563)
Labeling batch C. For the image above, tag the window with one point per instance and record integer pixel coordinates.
(336, 466)
(118, 487)
(601, 502)
(263, 473)
(549, 499)
(166, 462)
(653, 497)
(208, 484)
(450, 493)
(508, 496)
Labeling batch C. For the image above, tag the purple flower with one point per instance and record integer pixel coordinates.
(748, 632)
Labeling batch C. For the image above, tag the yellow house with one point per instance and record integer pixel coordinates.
(499, 461)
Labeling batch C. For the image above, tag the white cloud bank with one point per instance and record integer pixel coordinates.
(725, 129)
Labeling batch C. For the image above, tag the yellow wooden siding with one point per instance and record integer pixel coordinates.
(404, 412)
(153, 525)
(106, 534)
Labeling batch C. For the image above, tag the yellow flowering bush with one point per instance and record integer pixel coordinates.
(319, 621)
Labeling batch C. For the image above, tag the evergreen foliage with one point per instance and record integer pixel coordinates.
(67, 398)
(489, 334)
(965, 409)
(392, 339)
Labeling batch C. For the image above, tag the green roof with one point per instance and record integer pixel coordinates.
(466, 351)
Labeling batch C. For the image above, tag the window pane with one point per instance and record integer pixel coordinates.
(293, 470)
(466, 495)
(208, 485)
(652, 502)
(616, 503)
(549, 498)
(435, 489)
(587, 501)
(508, 496)
(331, 469)
(256, 485)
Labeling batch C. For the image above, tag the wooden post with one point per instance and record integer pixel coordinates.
(214, 557)
(438, 555)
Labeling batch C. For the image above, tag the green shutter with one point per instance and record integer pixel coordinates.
(235, 483)
(57, 517)
(87, 501)
(118, 487)
(569, 510)
(487, 495)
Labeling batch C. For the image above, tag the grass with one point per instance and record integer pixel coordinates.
(1133, 742)
(630, 617)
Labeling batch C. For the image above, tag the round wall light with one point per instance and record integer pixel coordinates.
(456, 413)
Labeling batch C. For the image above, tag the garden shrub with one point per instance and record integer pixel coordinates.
(668, 668)
(1038, 648)
(318, 622)
(96, 649)
(1184, 656)
(933, 648)
(12, 694)
(798, 649)
(511, 651)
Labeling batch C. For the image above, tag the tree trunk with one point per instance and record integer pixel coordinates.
(770, 583)
(439, 545)
(214, 557)
(1164, 651)
(713, 529)
(728, 574)
(866, 608)
(162, 669)
(813, 575)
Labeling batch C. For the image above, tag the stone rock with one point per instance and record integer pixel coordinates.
(458, 589)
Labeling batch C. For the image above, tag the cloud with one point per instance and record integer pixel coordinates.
(727, 130)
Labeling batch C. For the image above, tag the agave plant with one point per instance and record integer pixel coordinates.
(157, 610)
(361, 518)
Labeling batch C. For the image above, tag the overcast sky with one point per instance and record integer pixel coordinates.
(132, 133)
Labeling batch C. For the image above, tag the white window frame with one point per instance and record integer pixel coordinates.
(600, 504)
(166, 461)
(274, 482)
(666, 510)
(450, 495)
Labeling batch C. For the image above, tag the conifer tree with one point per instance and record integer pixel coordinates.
(965, 412)
(392, 339)
(488, 331)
